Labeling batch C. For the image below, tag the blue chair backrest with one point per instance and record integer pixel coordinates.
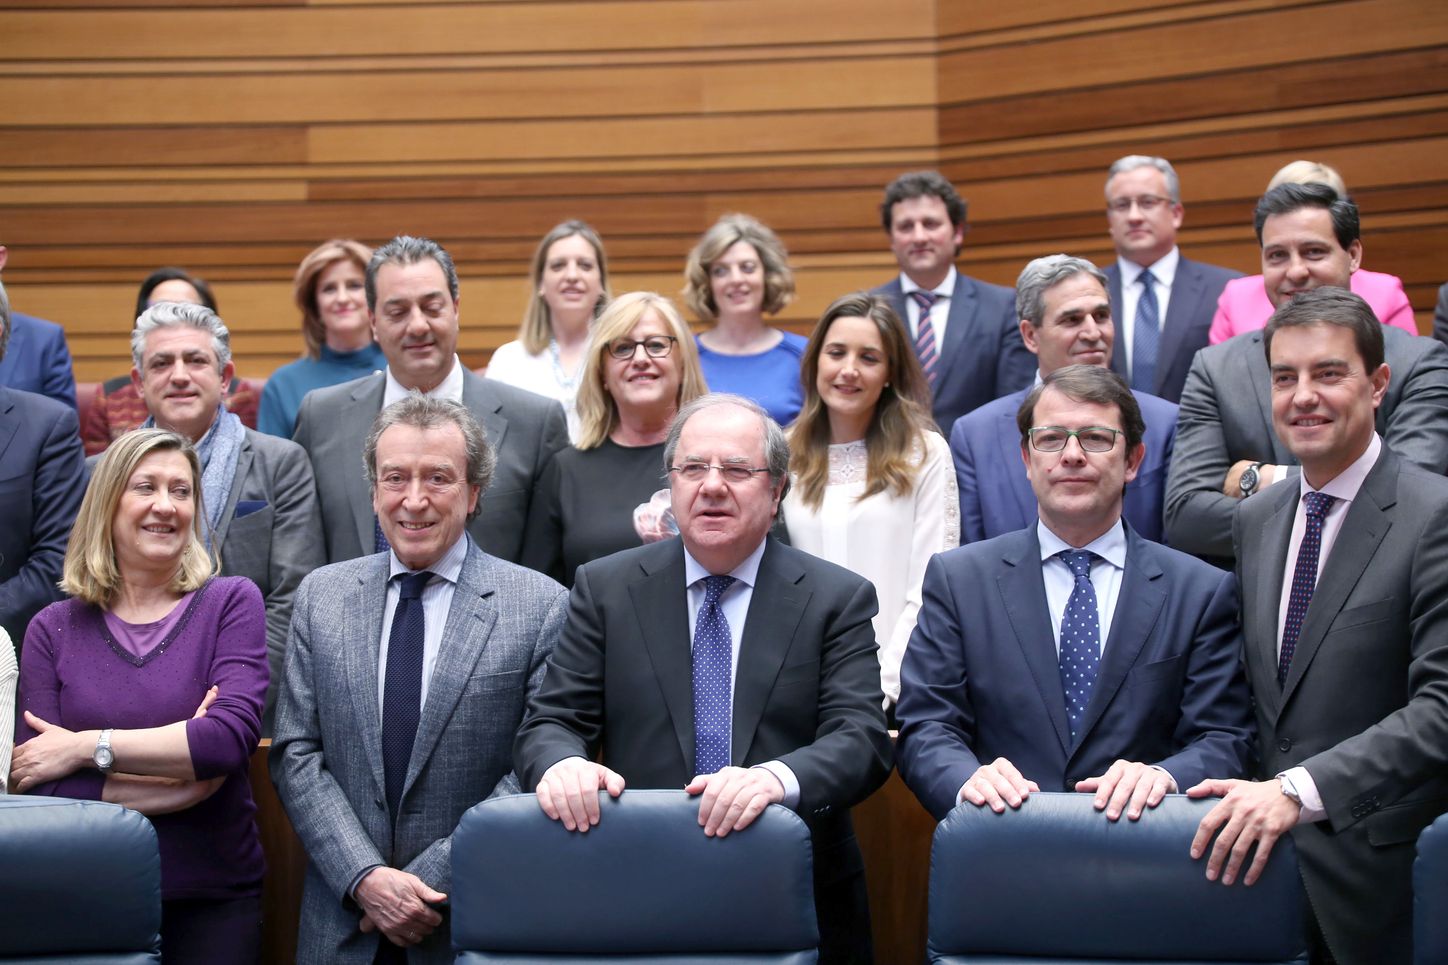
(1055, 882)
(1430, 895)
(645, 885)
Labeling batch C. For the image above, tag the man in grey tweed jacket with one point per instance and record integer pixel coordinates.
(376, 813)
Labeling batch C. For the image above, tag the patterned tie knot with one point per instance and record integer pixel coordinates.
(1317, 504)
(1147, 279)
(412, 584)
(1079, 561)
(714, 587)
(925, 299)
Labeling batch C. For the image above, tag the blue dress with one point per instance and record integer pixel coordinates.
(288, 385)
(770, 378)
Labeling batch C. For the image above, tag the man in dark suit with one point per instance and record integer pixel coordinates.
(964, 329)
(42, 480)
(38, 359)
(260, 500)
(1226, 450)
(1153, 281)
(1073, 654)
(777, 701)
(1344, 578)
(412, 295)
(1065, 320)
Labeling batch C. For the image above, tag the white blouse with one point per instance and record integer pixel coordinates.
(887, 539)
(542, 373)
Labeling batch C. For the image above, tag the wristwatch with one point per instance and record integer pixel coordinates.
(1251, 479)
(1289, 789)
(103, 757)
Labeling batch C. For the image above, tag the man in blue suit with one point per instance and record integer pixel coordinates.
(963, 329)
(37, 359)
(42, 478)
(1073, 654)
(1065, 319)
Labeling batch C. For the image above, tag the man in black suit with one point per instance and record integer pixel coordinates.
(1344, 576)
(964, 330)
(778, 698)
(1153, 281)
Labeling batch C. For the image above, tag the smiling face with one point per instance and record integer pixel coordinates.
(853, 368)
(722, 522)
(180, 380)
(1324, 401)
(642, 383)
(1300, 252)
(571, 282)
(153, 520)
(923, 239)
(342, 306)
(1075, 327)
(1079, 492)
(416, 323)
(1142, 236)
(736, 280)
(422, 497)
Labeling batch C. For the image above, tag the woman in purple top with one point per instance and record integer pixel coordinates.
(145, 689)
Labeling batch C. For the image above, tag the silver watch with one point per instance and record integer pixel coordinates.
(1289, 789)
(103, 757)
(1251, 479)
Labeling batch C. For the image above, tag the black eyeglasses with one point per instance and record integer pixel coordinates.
(1146, 202)
(1091, 438)
(699, 471)
(655, 346)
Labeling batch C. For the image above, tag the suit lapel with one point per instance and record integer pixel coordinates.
(661, 606)
(960, 321)
(1264, 572)
(1113, 293)
(1259, 376)
(1013, 471)
(366, 403)
(1138, 607)
(362, 640)
(8, 424)
(243, 466)
(1186, 295)
(484, 405)
(1023, 594)
(775, 609)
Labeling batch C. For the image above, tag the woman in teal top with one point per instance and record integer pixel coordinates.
(329, 289)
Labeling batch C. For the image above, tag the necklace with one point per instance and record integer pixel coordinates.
(565, 381)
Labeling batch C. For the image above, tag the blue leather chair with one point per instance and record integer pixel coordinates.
(1056, 883)
(644, 886)
(80, 883)
(1430, 895)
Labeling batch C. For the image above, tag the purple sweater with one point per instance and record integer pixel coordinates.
(73, 675)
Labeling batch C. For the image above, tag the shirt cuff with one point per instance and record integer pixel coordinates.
(1169, 777)
(787, 780)
(1281, 473)
(1298, 780)
(352, 888)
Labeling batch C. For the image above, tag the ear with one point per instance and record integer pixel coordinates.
(228, 372)
(4, 254)
(474, 494)
(136, 380)
(1380, 380)
(1133, 461)
(1028, 335)
(959, 236)
(1355, 255)
(1178, 213)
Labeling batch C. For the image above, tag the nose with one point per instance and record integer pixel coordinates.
(162, 504)
(570, 269)
(714, 480)
(1304, 394)
(179, 375)
(415, 495)
(1297, 272)
(1073, 454)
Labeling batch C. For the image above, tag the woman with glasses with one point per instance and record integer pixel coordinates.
(569, 287)
(641, 366)
(873, 486)
(736, 274)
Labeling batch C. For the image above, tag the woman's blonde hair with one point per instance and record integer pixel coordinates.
(91, 572)
(536, 329)
(1309, 172)
(597, 411)
(727, 231)
(894, 442)
(304, 285)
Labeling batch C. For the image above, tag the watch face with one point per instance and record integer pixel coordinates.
(1249, 480)
(104, 757)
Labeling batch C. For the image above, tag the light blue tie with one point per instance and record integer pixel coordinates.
(713, 697)
(1080, 638)
(1145, 335)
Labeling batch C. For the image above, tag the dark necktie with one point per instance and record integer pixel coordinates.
(925, 334)
(1080, 638)
(1146, 333)
(713, 698)
(379, 538)
(1304, 577)
(402, 689)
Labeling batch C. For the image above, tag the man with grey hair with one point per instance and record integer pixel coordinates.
(777, 699)
(37, 359)
(41, 484)
(406, 678)
(413, 298)
(257, 490)
(1065, 319)
(1162, 300)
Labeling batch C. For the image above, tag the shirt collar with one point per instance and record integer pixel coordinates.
(1345, 485)
(1110, 545)
(1164, 270)
(746, 572)
(944, 290)
(450, 567)
(450, 387)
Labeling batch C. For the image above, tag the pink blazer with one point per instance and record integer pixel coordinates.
(1243, 305)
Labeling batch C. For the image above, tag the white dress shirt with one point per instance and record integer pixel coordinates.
(1344, 487)
(939, 312)
(451, 387)
(436, 603)
(1106, 572)
(1164, 271)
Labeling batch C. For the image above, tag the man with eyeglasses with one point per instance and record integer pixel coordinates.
(1163, 301)
(1073, 654)
(722, 662)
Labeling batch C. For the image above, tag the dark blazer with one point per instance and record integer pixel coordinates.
(42, 479)
(996, 496)
(982, 680)
(524, 429)
(807, 690)
(1365, 704)
(1189, 313)
(1226, 415)
(37, 359)
(983, 357)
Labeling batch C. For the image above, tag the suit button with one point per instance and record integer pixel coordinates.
(378, 801)
(1284, 745)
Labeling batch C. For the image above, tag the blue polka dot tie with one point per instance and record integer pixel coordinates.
(402, 689)
(1304, 578)
(713, 658)
(1080, 638)
(925, 334)
(1145, 335)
